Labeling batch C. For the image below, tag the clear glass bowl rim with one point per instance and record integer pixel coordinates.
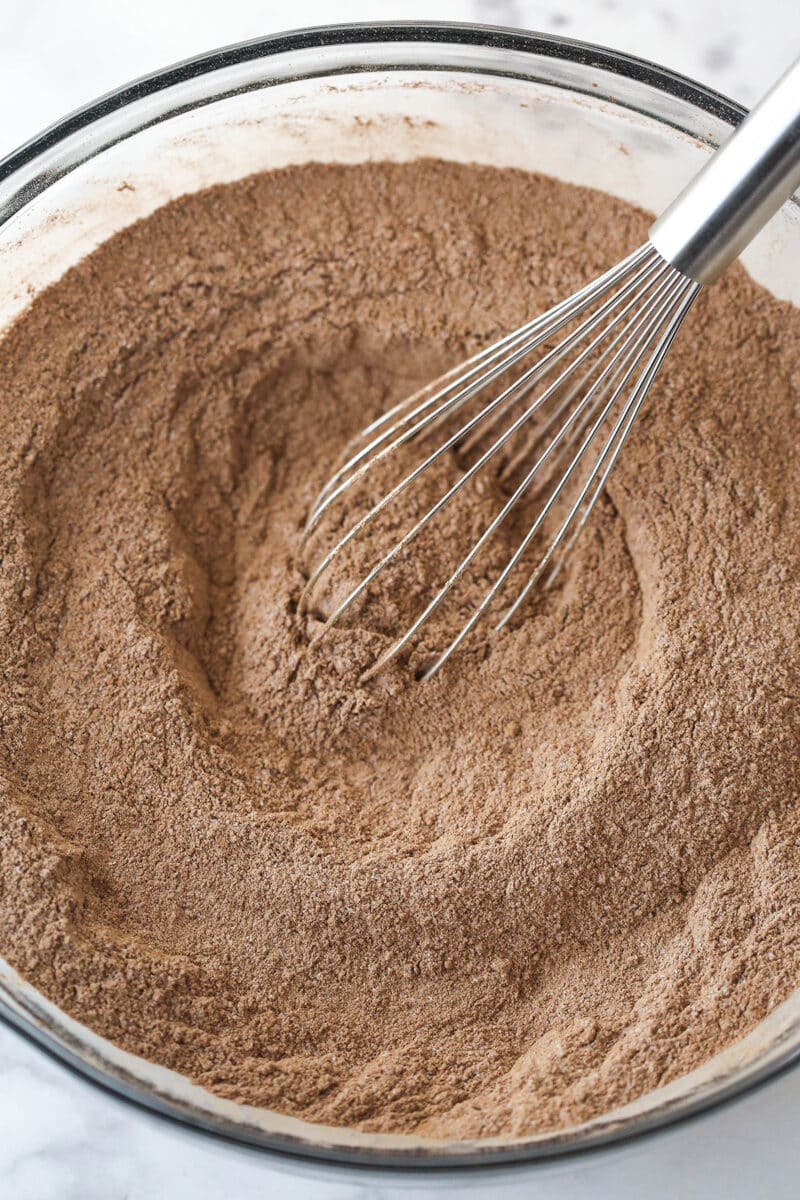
(21, 165)
(22, 161)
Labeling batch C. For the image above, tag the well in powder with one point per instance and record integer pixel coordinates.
(561, 873)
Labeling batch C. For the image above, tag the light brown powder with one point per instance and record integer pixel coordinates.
(564, 871)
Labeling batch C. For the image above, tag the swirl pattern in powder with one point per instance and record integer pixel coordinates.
(561, 873)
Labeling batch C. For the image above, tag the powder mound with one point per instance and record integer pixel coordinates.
(565, 870)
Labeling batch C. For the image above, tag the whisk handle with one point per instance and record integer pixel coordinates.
(741, 186)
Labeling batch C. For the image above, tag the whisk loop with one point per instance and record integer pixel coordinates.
(634, 308)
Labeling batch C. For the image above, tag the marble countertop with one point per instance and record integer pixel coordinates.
(60, 1137)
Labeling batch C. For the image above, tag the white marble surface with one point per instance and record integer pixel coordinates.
(63, 1139)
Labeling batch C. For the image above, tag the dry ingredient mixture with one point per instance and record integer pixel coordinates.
(565, 871)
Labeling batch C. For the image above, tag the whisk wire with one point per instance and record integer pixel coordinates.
(637, 338)
(575, 390)
(480, 418)
(691, 293)
(523, 345)
(610, 450)
(463, 479)
(566, 310)
(622, 327)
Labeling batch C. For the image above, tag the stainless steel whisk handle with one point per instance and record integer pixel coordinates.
(716, 215)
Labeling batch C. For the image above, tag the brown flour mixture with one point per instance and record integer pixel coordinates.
(563, 872)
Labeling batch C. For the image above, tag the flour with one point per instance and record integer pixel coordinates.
(564, 871)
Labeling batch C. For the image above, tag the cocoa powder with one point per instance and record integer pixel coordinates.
(561, 873)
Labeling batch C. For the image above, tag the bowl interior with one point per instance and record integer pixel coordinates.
(570, 115)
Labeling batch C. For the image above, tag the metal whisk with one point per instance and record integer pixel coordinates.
(557, 428)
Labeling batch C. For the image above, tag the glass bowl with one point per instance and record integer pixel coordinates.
(348, 94)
